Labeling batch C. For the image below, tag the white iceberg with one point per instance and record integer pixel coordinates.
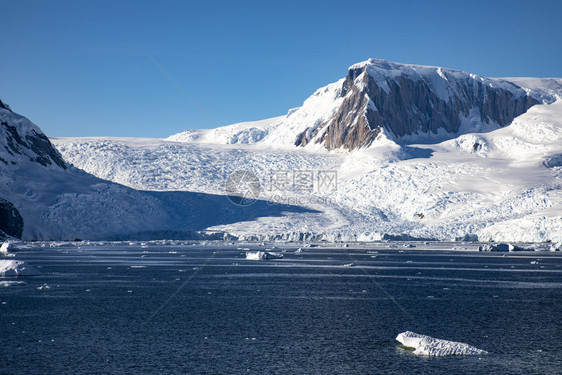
(262, 255)
(427, 345)
(5, 247)
(16, 268)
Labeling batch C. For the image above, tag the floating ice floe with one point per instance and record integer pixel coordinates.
(426, 345)
(16, 268)
(262, 255)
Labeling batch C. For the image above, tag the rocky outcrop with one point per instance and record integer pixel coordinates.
(404, 100)
(11, 222)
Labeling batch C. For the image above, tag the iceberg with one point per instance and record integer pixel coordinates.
(16, 268)
(5, 247)
(262, 255)
(427, 345)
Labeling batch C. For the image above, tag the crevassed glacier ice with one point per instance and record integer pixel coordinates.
(427, 345)
(16, 268)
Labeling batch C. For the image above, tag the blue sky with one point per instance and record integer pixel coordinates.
(84, 68)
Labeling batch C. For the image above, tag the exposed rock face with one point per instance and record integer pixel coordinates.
(21, 140)
(404, 100)
(11, 222)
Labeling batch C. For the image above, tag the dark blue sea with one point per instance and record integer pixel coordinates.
(205, 309)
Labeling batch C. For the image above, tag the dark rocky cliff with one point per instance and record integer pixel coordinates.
(11, 222)
(405, 100)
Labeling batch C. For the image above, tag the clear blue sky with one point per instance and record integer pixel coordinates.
(82, 68)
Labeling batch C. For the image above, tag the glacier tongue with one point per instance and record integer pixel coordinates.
(430, 346)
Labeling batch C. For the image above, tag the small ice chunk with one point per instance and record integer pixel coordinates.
(16, 268)
(556, 247)
(262, 255)
(426, 345)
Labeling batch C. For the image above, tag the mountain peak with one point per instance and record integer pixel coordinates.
(404, 101)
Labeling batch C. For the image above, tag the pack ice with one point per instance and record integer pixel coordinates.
(430, 346)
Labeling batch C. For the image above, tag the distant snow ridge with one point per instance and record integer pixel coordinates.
(426, 345)
(242, 133)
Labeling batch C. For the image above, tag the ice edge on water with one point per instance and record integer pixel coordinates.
(430, 346)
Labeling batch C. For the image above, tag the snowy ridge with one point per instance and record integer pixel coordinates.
(279, 132)
(545, 89)
(444, 81)
(241, 133)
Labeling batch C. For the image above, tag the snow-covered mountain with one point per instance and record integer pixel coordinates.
(493, 170)
(397, 100)
(380, 100)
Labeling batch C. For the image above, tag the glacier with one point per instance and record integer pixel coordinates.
(429, 346)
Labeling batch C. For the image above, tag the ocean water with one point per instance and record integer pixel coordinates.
(205, 309)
